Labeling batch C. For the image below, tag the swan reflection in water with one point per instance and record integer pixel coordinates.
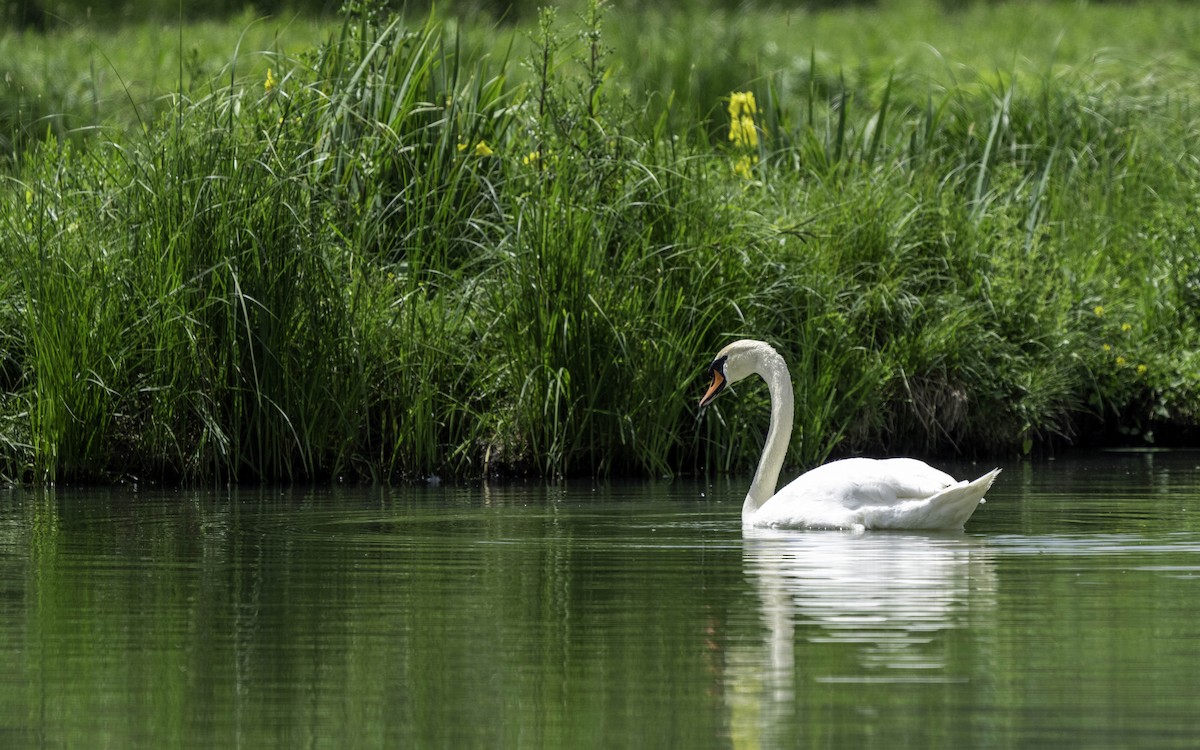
(875, 607)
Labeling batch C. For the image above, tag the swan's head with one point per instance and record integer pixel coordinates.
(736, 361)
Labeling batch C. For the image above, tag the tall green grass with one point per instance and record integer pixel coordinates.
(420, 248)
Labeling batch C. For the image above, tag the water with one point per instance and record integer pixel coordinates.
(628, 615)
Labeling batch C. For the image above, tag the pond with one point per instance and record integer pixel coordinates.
(614, 615)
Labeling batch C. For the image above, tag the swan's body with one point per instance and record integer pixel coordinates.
(862, 493)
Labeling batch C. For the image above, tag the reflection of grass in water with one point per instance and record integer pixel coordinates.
(417, 251)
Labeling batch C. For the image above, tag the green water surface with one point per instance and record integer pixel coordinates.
(621, 615)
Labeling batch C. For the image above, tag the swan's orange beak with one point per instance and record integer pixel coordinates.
(718, 385)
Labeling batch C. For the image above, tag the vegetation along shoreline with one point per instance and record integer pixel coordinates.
(383, 247)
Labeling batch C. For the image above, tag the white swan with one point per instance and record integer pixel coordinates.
(854, 493)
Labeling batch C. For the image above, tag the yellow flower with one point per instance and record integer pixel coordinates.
(1141, 369)
(1126, 327)
(735, 130)
(1107, 348)
(1099, 310)
(749, 133)
(531, 158)
(741, 102)
(270, 82)
(1120, 361)
(742, 129)
(481, 148)
(743, 165)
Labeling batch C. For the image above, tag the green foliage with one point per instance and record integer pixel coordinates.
(429, 248)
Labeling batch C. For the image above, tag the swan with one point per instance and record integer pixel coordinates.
(853, 493)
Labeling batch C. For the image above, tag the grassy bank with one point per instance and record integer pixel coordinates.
(424, 247)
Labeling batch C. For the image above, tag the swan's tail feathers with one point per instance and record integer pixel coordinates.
(960, 501)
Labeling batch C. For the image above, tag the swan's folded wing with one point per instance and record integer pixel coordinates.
(898, 493)
(914, 480)
(857, 482)
(911, 479)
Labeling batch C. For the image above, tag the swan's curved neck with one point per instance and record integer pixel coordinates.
(779, 384)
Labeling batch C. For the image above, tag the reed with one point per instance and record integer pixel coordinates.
(427, 248)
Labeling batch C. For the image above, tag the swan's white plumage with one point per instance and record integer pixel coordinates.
(893, 493)
(862, 493)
